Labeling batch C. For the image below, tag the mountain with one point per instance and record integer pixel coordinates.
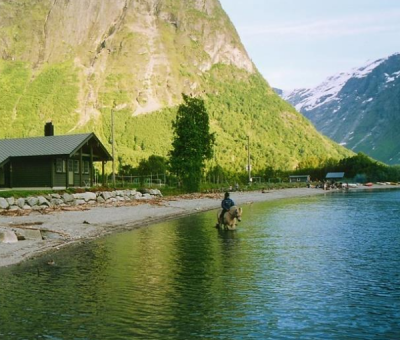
(73, 61)
(359, 109)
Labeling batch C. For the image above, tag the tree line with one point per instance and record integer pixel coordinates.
(193, 144)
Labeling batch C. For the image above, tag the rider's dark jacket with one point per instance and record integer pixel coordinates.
(226, 204)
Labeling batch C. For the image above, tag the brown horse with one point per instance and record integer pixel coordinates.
(230, 218)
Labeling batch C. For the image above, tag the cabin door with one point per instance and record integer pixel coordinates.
(70, 172)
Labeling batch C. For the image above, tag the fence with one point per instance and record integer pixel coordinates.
(160, 180)
(151, 180)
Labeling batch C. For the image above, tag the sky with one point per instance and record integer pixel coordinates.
(299, 43)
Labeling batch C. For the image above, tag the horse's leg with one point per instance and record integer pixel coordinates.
(225, 221)
(219, 222)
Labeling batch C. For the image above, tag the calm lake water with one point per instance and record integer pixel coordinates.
(325, 267)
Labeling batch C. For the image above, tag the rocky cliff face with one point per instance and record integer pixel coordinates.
(359, 109)
(71, 61)
(145, 44)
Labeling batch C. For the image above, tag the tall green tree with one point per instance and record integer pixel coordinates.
(193, 143)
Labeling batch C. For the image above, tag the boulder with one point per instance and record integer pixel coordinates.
(80, 202)
(87, 196)
(32, 201)
(20, 202)
(11, 200)
(43, 201)
(8, 236)
(119, 193)
(29, 234)
(4, 203)
(90, 196)
(56, 201)
(100, 199)
(48, 235)
(138, 195)
(48, 197)
(131, 192)
(106, 195)
(68, 198)
(155, 192)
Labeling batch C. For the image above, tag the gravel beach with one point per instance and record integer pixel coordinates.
(68, 227)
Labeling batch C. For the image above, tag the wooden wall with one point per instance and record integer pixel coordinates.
(31, 172)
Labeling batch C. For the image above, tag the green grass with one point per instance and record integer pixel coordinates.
(24, 193)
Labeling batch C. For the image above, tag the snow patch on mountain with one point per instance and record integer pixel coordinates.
(392, 77)
(368, 68)
(368, 100)
(327, 91)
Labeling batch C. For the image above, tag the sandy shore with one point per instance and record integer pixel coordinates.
(76, 226)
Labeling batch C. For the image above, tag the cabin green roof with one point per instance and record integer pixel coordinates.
(334, 175)
(64, 145)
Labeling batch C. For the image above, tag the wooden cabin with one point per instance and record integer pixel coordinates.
(299, 178)
(51, 161)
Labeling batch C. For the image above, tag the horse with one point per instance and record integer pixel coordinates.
(230, 218)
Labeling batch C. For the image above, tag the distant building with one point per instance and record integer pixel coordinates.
(334, 175)
(299, 178)
(51, 161)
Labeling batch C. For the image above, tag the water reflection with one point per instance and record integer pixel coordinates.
(321, 267)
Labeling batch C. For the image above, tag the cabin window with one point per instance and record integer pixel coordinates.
(86, 167)
(76, 167)
(61, 165)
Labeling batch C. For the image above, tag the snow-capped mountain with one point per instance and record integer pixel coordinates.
(359, 109)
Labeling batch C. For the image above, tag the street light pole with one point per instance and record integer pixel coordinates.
(113, 145)
(248, 158)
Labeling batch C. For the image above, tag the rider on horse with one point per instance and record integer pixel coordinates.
(226, 204)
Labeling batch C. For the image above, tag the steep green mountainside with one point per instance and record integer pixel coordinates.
(72, 61)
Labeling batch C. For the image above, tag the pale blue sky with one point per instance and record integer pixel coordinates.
(298, 43)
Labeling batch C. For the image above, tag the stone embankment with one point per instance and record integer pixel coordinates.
(64, 201)
(71, 200)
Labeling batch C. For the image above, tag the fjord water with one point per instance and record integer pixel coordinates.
(323, 267)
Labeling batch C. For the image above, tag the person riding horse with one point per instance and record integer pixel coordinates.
(226, 204)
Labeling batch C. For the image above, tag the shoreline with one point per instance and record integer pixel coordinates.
(72, 227)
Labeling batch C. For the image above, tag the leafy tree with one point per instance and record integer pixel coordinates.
(193, 142)
(155, 164)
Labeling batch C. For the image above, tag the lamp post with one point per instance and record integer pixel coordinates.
(113, 145)
(248, 159)
(114, 108)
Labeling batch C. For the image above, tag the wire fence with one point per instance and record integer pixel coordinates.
(216, 183)
(150, 180)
